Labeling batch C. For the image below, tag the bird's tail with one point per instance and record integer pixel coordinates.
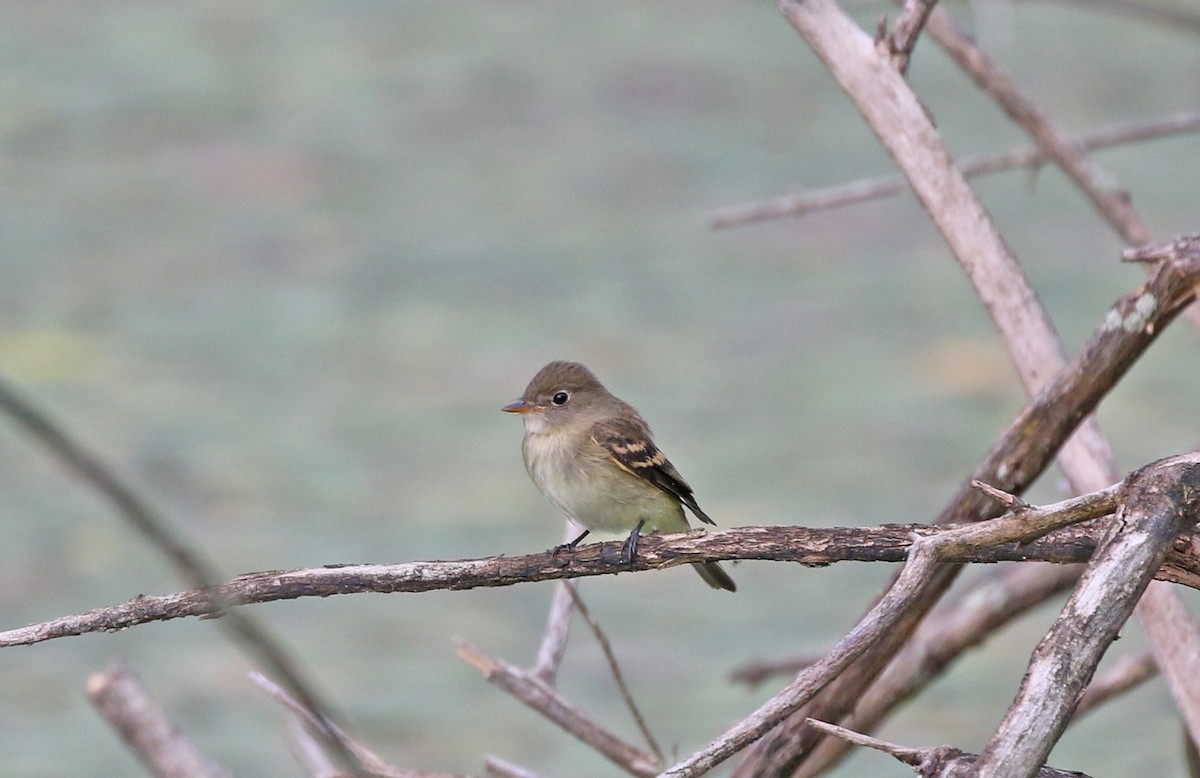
(714, 576)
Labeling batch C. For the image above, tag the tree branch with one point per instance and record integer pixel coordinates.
(1176, 19)
(1056, 411)
(903, 37)
(1129, 673)
(810, 200)
(527, 688)
(926, 554)
(495, 767)
(812, 547)
(922, 560)
(369, 763)
(163, 749)
(906, 131)
(1067, 152)
(1157, 503)
(558, 623)
(189, 563)
(932, 762)
(615, 668)
(950, 630)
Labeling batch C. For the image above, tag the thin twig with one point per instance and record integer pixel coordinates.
(188, 562)
(810, 200)
(906, 754)
(162, 748)
(1128, 673)
(615, 668)
(526, 687)
(495, 767)
(370, 763)
(954, 627)
(558, 624)
(1175, 19)
(1066, 151)
(1176, 250)
(554, 640)
(940, 761)
(307, 750)
(753, 674)
(903, 38)
(1007, 499)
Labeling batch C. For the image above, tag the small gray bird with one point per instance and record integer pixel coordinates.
(591, 455)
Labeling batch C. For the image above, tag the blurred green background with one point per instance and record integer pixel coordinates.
(281, 263)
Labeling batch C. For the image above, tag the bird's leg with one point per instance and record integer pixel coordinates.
(629, 549)
(569, 546)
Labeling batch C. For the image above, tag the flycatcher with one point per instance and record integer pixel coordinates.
(591, 455)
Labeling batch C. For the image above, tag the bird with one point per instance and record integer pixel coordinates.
(592, 456)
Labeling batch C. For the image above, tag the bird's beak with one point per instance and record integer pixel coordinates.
(520, 406)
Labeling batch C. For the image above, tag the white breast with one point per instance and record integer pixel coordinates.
(613, 502)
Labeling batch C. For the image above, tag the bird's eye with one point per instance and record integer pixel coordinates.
(560, 398)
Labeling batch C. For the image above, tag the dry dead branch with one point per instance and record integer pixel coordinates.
(812, 200)
(526, 687)
(1157, 503)
(163, 749)
(940, 762)
(811, 547)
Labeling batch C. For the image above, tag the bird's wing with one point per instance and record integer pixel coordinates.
(627, 442)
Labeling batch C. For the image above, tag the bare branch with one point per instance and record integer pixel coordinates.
(615, 668)
(188, 562)
(905, 130)
(1008, 500)
(163, 749)
(1158, 502)
(308, 751)
(1169, 18)
(879, 619)
(1066, 151)
(1085, 460)
(953, 628)
(369, 762)
(903, 38)
(545, 700)
(558, 624)
(906, 754)
(1180, 249)
(1173, 635)
(813, 547)
(753, 674)
(810, 200)
(941, 761)
(1128, 673)
(924, 556)
(495, 767)
(903, 127)
(554, 640)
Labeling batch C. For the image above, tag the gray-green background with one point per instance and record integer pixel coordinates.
(281, 263)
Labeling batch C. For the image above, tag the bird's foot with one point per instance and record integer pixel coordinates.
(629, 548)
(568, 547)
